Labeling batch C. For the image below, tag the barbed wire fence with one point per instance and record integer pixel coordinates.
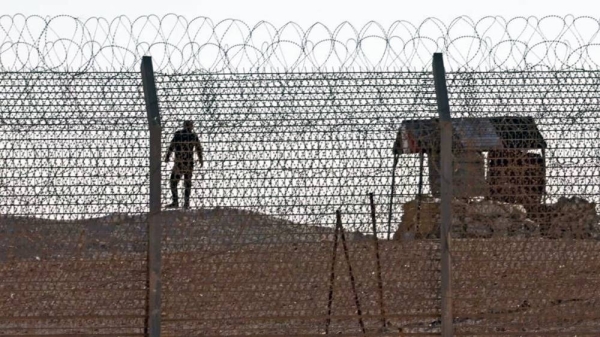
(181, 45)
(296, 125)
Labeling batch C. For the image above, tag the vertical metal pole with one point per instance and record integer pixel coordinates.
(332, 277)
(543, 200)
(377, 259)
(154, 224)
(350, 272)
(441, 93)
(420, 189)
(393, 187)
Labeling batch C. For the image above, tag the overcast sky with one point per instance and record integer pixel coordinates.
(329, 12)
(306, 12)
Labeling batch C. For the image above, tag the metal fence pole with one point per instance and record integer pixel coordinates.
(441, 92)
(378, 261)
(154, 224)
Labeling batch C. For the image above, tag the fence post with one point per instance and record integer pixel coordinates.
(441, 93)
(154, 225)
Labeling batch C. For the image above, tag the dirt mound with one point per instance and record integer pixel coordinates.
(30, 237)
(230, 226)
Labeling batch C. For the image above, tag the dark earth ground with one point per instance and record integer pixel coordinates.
(232, 272)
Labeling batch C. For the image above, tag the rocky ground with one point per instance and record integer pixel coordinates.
(231, 272)
(574, 218)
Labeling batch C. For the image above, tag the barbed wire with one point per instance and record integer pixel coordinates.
(180, 45)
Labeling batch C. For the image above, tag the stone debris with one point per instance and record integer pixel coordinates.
(569, 217)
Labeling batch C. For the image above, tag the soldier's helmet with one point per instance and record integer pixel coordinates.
(188, 125)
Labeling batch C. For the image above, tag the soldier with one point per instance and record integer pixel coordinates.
(183, 144)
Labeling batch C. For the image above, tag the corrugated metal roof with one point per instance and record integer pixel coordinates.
(476, 134)
(480, 134)
(518, 132)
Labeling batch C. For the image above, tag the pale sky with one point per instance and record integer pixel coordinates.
(461, 42)
(305, 12)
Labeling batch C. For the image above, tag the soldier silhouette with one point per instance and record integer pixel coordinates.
(184, 143)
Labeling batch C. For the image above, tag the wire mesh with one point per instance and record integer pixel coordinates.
(525, 236)
(74, 198)
(260, 250)
(282, 153)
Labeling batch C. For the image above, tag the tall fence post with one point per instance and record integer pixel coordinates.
(441, 93)
(154, 224)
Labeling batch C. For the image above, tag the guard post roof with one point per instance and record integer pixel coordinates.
(480, 134)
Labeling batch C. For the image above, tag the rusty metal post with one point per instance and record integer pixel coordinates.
(441, 93)
(350, 272)
(332, 277)
(377, 260)
(420, 188)
(543, 200)
(393, 188)
(154, 226)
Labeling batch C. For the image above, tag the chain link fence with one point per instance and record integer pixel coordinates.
(525, 260)
(283, 153)
(318, 207)
(74, 192)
